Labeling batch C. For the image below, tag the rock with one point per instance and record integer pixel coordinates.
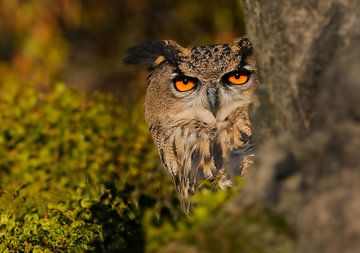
(306, 119)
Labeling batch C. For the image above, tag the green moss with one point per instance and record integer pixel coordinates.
(76, 174)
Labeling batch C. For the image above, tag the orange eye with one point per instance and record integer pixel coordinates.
(184, 84)
(238, 77)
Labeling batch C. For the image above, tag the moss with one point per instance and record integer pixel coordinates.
(76, 174)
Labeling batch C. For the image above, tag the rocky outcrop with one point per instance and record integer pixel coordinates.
(306, 119)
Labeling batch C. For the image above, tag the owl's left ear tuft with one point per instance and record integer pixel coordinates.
(245, 46)
(152, 53)
(243, 42)
(145, 54)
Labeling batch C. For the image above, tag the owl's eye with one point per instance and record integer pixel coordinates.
(184, 83)
(238, 77)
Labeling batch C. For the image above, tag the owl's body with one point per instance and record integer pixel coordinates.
(196, 107)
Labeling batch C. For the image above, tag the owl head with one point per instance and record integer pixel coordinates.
(204, 83)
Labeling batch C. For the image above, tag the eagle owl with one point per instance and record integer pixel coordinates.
(196, 107)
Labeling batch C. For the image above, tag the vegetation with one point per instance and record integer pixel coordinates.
(73, 175)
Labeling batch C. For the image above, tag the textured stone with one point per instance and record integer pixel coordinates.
(306, 119)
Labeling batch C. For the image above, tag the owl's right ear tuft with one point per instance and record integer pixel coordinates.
(245, 46)
(145, 54)
(152, 53)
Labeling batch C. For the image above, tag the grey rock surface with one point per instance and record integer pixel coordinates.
(306, 119)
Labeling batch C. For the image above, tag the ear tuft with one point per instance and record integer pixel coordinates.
(245, 46)
(152, 53)
(145, 54)
(243, 42)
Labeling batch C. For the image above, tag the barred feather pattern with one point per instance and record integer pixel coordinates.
(195, 152)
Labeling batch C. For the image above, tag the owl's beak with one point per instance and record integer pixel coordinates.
(212, 96)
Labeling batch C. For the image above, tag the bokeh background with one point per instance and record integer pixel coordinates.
(82, 42)
(78, 170)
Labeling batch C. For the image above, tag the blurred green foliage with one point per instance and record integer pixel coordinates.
(75, 174)
(206, 204)
(83, 42)
(221, 223)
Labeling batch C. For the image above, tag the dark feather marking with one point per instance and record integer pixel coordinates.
(242, 61)
(244, 137)
(155, 127)
(246, 52)
(174, 148)
(183, 173)
(236, 158)
(179, 71)
(195, 162)
(216, 153)
(162, 155)
(201, 175)
(177, 181)
(171, 54)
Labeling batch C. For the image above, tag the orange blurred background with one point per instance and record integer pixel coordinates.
(82, 42)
